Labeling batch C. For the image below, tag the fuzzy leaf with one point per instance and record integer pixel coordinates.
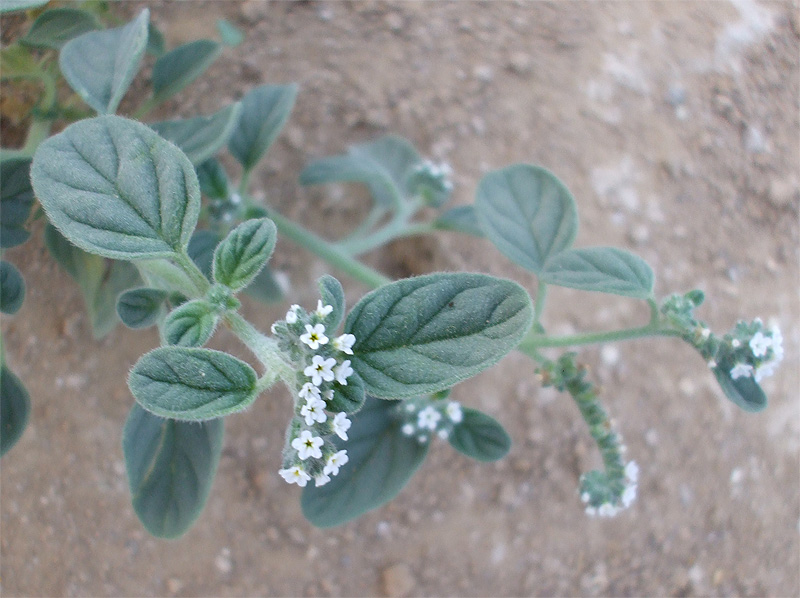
(348, 398)
(229, 34)
(192, 384)
(100, 65)
(480, 437)
(140, 308)
(156, 46)
(16, 200)
(190, 325)
(171, 466)
(55, 27)
(113, 187)
(213, 179)
(203, 136)
(201, 250)
(332, 294)
(527, 213)
(12, 288)
(743, 391)
(423, 335)
(381, 462)
(265, 110)
(265, 287)
(244, 252)
(178, 68)
(461, 219)
(600, 269)
(15, 407)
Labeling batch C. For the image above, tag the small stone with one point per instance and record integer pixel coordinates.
(398, 580)
(520, 63)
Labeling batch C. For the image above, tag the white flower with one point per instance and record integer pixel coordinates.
(760, 344)
(295, 475)
(585, 497)
(422, 439)
(443, 434)
(291, 315)
(341, 425)
(632, 471)
(411, 407)
(765, 369)
(428, 418)
(320, 369)
(343, 372)
(314, 336)
(777, 343)
(323, 310)
(344, 343)
(607, 510)
(408, 429)
(321, 479)
(309, 391)
(711, 364)
(336, 461)
(735, 343)
(741, 370)
(454, 412)
(307, 445)
(629, 495)
(313, 411)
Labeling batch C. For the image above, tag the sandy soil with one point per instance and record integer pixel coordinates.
(676, 127)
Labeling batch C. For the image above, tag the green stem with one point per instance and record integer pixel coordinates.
(244, 182)
(263, 347)
(390, 232)
(142, 110)
(538, 305)
(538, 341)
(193, 272)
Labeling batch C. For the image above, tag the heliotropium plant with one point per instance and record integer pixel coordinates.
(156, 233)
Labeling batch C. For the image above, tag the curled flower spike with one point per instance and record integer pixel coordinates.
(344, 343)
(314, 336)
(295, 475)
(307, 445)
(320, 369)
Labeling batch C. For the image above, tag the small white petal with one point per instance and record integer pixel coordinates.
(454, 412)
(314, 336)
(344, 343)
(408, 429)
(343, 372)
(322, 479)
(741, 370)
(323, 310)
(307, 445)
(341, 425)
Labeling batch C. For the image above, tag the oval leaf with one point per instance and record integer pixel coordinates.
(461, 219)
(171, 466)
(423, 335)
(265, 111)
(16, 200)
(12, 288)
(213, 179)
(480, 437)
(332, 294)
(113, 187)
(527, 213)
(744, 391)
(190, 325)
(244, 252)
(192, 384)
(55, 27)
(100, 65)
(15, 407)
(349, 397)
(177, 68)
(201, 250)
(229, 34)
(601, 269)
(381, 462)
(203, 136)
(265, 287)
(140, 308)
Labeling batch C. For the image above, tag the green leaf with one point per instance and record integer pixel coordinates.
(100, 65)
(12, 5)
(461, 219)
(384, 165)
(15, 408)
(527, 213)
(423, 335)
(244, 252)
(213, 179)
(229, 34)
(381, 462)
(16, 200)
(600, 269)
(179, 67)
(113, 187)
(265, 110)
(140, 308)
(203, 136)
(191, 324)
(192, 384)
(332, 294)
(743, 391)
(265, 287)
(171, 467)
(55, 27)
(12, 288)
(349, 397)
(201, 250)
(156, 46)
(480, 437)
(18, 62)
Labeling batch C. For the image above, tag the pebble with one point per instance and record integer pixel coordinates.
(520, 63)
(398, 580)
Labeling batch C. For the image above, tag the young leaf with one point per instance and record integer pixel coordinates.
(203, 136)
(265, 110)
(192, 384)
(527, 213)
(601, 269)
(348, 398)
(244, 252)
(156, 46)
(384, 165)
(140, 308)
(480, 437)
(113, 187)
(100, 65)
(744, 391)
(423, 335)
(178, 68)
(229, 34)
(213, 179)
(461, 219)
(16, 199)
(12, 288)
(265, 287)
(171, 467)
(201, 250)
(381, 462)
(15, 407)
(55, 27)
(190, 325)
(332, 294)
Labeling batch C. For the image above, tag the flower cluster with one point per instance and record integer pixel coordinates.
(607, 506)
(423, 417)
(322, 372)
(432, 182)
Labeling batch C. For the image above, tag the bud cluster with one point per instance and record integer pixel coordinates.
(423, 417)
(432, 182)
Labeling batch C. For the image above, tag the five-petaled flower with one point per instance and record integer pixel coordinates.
(314, 336)
(454, 412)
(320, 369)
(341, 425)
(741, 370)
(313, 411)
(335, 461)
(343, 372)
(309, 391)
(428, 418)
(307, 445)
(295, 475)
(344, 343)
